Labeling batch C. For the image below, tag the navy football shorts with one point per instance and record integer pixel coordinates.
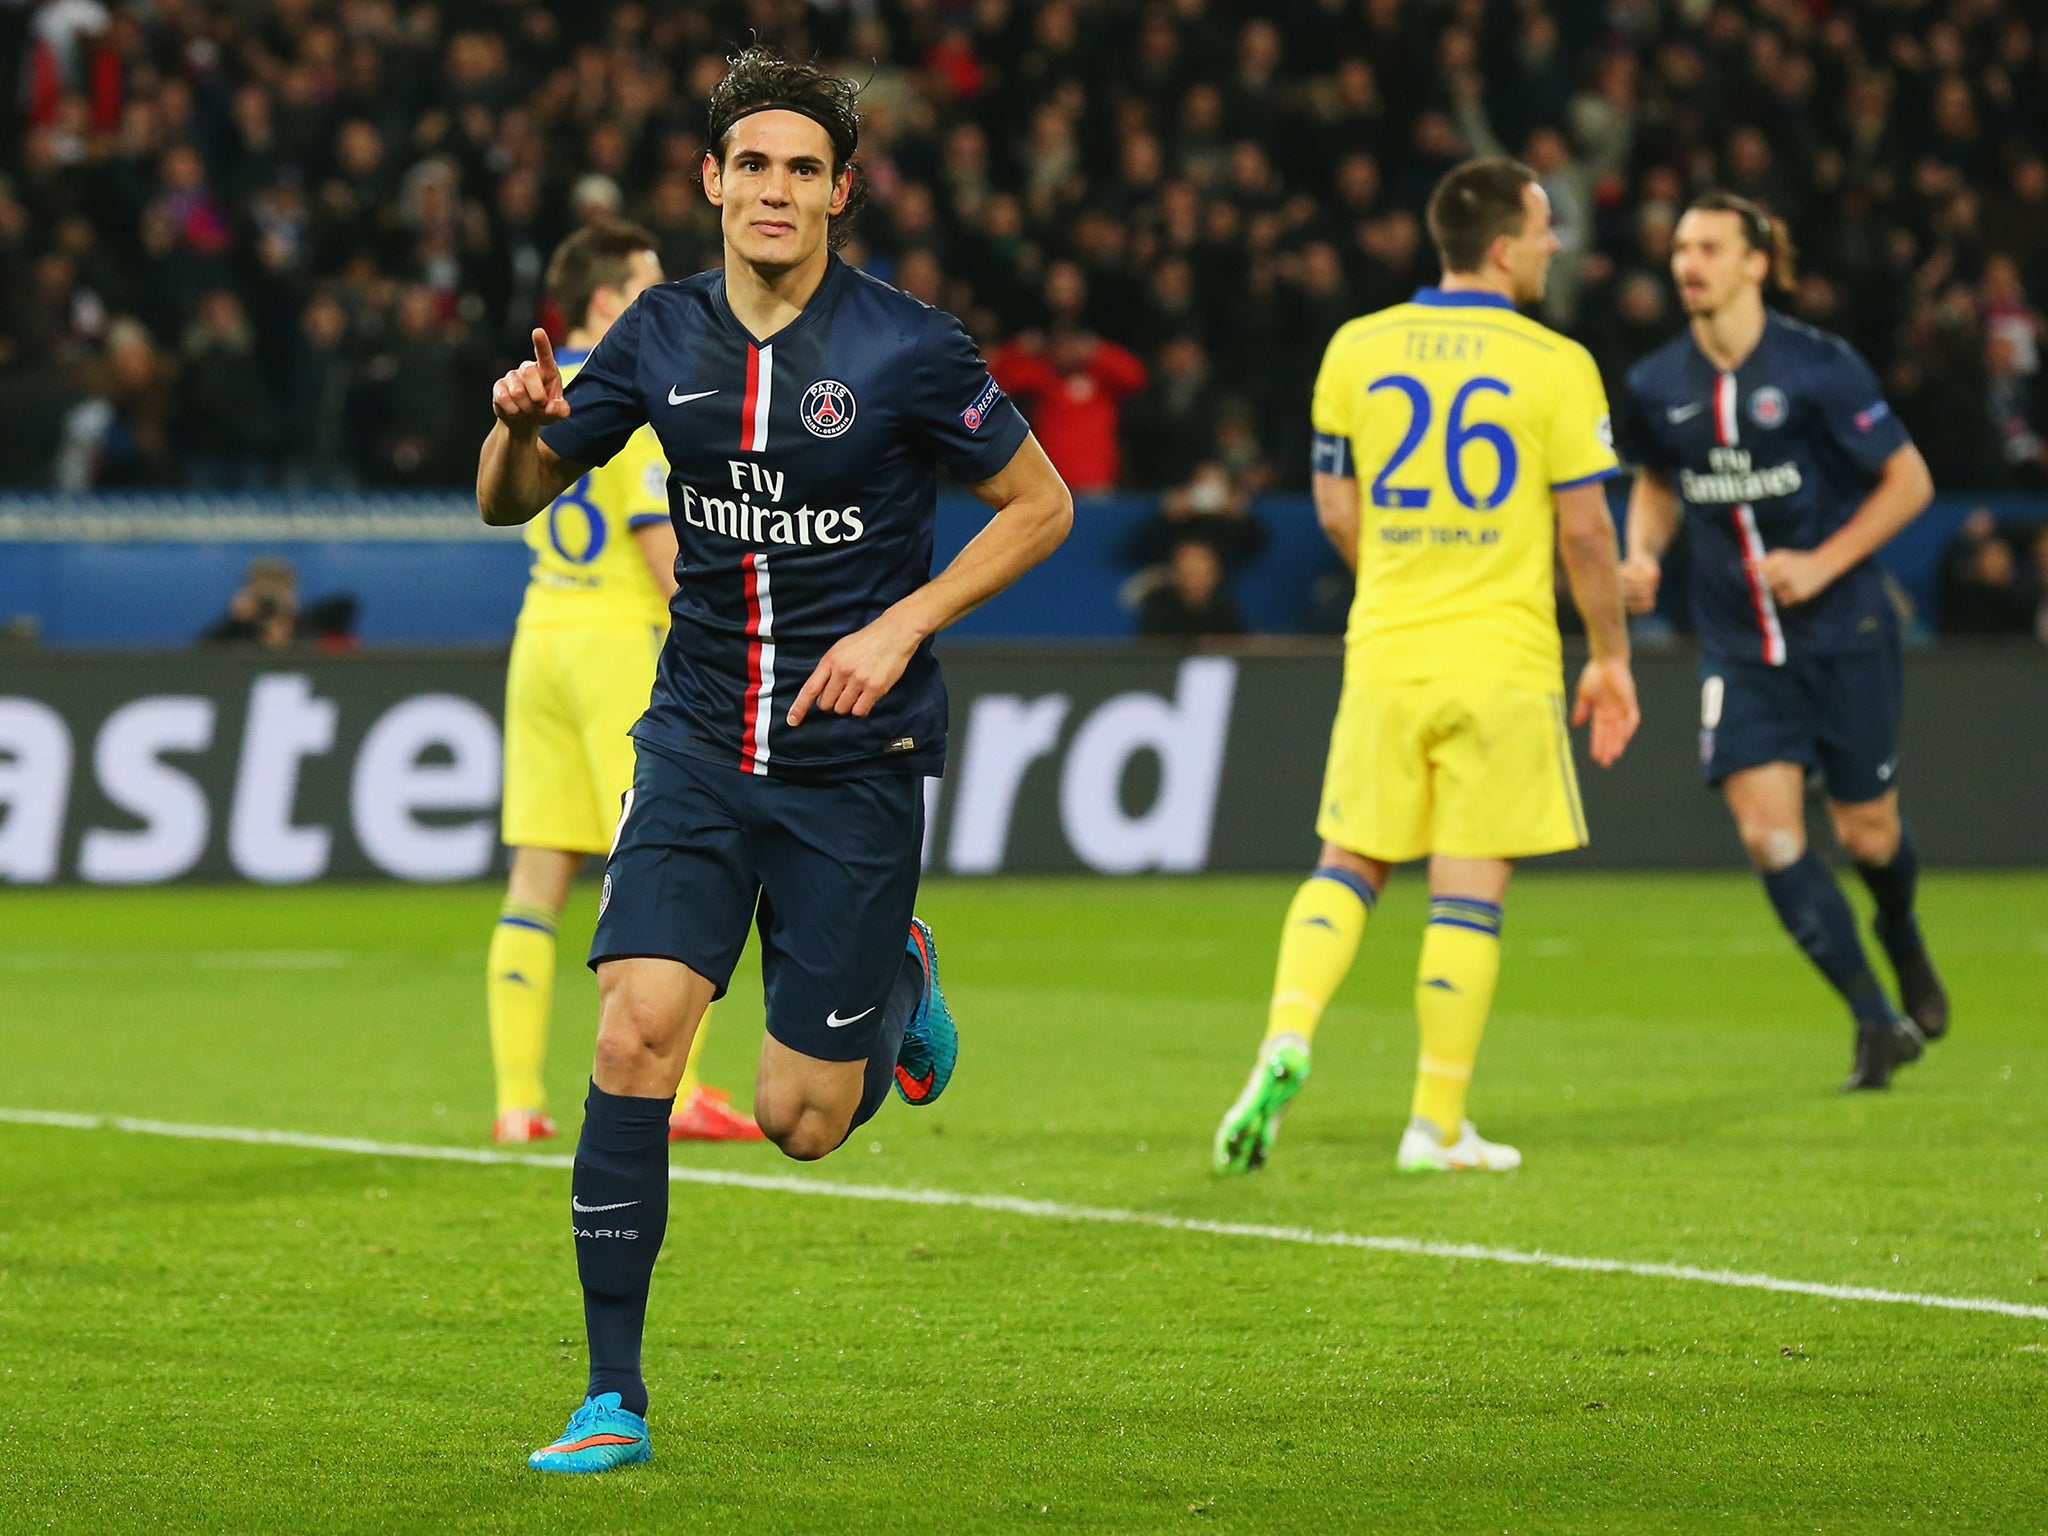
(826, 870)
(1834, 715)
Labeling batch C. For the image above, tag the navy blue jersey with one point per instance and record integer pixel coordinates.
(1775, 455)
(803, 477)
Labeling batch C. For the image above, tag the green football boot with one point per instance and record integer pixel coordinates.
(1249, 1129)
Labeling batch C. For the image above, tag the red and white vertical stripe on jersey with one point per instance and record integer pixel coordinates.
(1727, 435)
(760, 700)
(760, 394)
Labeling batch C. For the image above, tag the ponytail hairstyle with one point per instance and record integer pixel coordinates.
(1760, 230)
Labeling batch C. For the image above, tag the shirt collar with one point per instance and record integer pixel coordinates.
(1462, 298)
(568, 356)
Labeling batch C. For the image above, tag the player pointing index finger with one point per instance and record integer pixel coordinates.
(805, 411)
(550, 373)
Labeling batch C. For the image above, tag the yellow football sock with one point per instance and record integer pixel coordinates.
(519, 989)
(1453, 994)
(690, 1080)
(1321, 935)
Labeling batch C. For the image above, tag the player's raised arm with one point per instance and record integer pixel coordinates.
(517, 474)
(1653, 514)
(1034, 511)
(1904, 488)
(1607, 689)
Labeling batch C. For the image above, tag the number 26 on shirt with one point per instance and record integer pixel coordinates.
(1458, 437)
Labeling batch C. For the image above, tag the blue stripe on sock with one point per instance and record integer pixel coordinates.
(527, 922)
(1466, 912)
(1491, 930)
(1470, 904)
(1353, 882)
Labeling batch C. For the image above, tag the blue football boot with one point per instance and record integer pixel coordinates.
(601, 1435)
(931, 1044)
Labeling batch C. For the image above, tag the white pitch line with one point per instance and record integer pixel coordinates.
(1048, 1210)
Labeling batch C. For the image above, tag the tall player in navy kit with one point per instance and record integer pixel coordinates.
(1792, 472)
(805, 411)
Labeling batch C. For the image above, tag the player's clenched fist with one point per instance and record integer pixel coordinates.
(1640, 576)
(531, 395)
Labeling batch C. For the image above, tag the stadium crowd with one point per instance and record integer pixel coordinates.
(290, 243)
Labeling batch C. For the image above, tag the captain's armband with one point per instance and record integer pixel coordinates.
(1331, 455)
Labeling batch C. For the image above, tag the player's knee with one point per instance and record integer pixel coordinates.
(636, 1040)
(1866, 838)
(806, 1134)
(1770, 846)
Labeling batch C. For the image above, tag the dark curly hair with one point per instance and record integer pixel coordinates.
(760, 79)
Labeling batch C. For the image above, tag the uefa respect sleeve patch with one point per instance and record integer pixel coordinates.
(985, 402)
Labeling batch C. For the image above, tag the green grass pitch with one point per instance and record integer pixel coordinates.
(208, 1336)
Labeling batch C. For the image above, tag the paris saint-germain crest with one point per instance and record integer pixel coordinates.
(1767, 406)
(827, 408)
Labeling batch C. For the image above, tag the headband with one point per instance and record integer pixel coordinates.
(804, 109)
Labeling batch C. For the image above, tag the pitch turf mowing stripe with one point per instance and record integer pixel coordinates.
(1050, 1210)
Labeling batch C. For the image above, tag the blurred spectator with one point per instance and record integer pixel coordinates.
(2013, 398)
(319, 401)
(1240, 175)
(119, 434)
(265, 611)
(1192, 600)
(1073, 386)
(223, 426)
(1208, 507)
(425, 381)
(1173, 423)
(1985, 589)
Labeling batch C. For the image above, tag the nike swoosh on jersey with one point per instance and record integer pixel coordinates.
(676, 399)
(588, 1210)
(1684, 412)
(833, 1021)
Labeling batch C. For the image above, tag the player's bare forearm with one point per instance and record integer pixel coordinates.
(1904, 488)
(1034, 511)
(1336, 498)
(1585, 539)
(517, 475)
(1653, 513)
(657, 543)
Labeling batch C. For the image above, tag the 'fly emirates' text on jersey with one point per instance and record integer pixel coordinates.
(1459, 417)
(587, 566)
(803, 479)
(1777, 454)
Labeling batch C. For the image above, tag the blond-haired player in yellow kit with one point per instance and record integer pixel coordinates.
(1459, 447)
(595, 616)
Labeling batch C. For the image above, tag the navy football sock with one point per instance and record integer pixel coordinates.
(1892, 885)
(1817, 915)
(619, 1210)
(904, 997)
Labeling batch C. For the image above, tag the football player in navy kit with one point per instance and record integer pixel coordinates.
(1792, 472)
(805, 411)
